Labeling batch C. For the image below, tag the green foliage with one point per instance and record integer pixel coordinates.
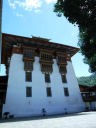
(87, 81)
(88, 49)
(82, 13)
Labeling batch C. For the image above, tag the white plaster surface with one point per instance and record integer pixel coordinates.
(19, 105)
(82, 120)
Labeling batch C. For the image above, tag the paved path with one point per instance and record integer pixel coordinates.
(81, 120)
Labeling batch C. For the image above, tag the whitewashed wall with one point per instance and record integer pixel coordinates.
(19, 105)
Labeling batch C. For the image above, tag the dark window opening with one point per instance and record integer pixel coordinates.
(66, 92)
(28, 91)
(47, 78)
(63, 76)
(49, 94)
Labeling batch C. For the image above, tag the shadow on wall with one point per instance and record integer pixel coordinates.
(12, 119)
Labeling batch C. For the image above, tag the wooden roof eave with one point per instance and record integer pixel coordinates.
(14, 40)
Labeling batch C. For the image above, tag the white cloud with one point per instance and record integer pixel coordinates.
(50, 1)
(19, 15)
(12, 4)
(27, 5)
(37, 11)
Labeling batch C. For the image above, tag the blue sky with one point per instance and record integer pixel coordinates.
(36, 17)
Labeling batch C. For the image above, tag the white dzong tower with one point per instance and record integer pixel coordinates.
(41, 79)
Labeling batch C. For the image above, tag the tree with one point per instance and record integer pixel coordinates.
(83, 14)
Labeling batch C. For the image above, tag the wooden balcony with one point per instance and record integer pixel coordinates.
(89, 98)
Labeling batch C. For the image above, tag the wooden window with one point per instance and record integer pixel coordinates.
(62, 69)
(46, 68)
(66, 92)
(61, 59)
(28, 91)
(47, 78)
(28, 65)
(49, 94)
(29, 76)
(46, 57)
(64, 80)
(28, 53)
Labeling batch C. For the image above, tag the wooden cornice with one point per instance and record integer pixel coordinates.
(36, 43)
(46, 51)
(30, 48)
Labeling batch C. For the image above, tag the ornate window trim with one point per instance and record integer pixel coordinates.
(46, 61)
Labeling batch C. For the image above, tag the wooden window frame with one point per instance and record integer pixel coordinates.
(28, 76)
(46, 57)
(28, 53)
(62, 69)
(28, 65)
